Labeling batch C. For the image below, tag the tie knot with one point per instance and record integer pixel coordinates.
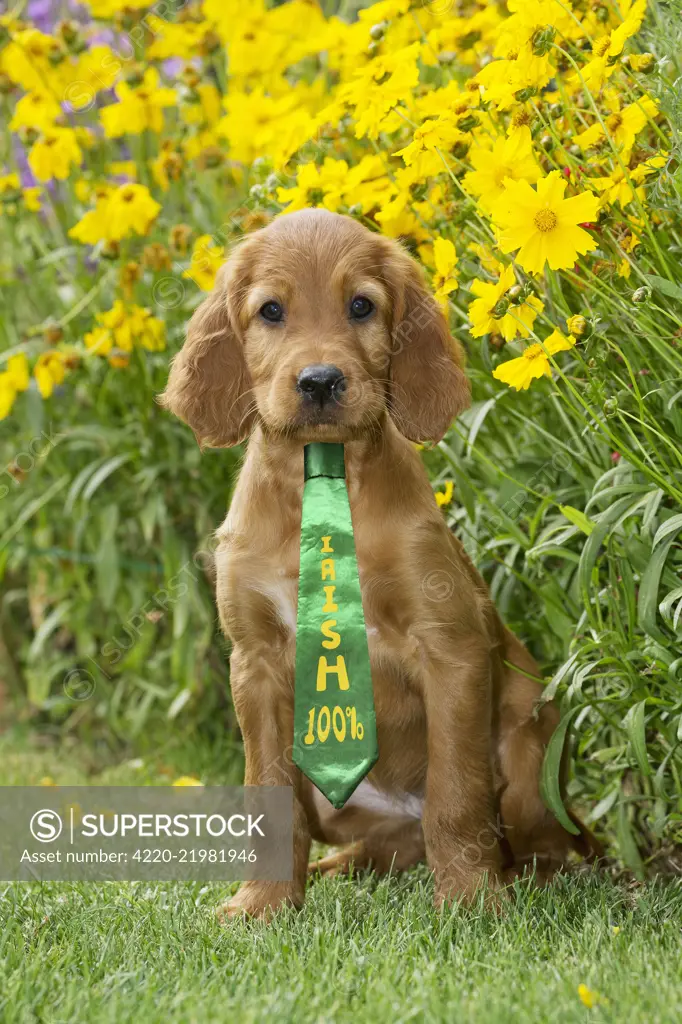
(323, 459)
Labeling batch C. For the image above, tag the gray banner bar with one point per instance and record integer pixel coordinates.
(145, 833)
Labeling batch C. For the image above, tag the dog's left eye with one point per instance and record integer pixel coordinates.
(361, 307)
(272, 312)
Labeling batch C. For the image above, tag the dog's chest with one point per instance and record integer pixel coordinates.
(279, 587)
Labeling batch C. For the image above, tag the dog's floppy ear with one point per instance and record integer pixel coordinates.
(428, 386)
(209, 387)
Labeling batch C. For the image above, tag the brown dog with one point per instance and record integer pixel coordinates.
(320, 330)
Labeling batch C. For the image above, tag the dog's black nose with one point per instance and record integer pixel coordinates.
(321, 382)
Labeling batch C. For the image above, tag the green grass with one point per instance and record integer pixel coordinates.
(361, 949)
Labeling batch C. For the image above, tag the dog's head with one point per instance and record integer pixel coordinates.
(316, 328)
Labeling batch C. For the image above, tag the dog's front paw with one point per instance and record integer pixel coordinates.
(466, 887)
(260, 900)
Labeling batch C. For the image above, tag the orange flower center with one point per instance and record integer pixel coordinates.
(545, 220)
(613, 122)
(520, 117)
(534, 352)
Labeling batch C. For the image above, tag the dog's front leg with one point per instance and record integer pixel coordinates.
(461, 829)
(263, 700)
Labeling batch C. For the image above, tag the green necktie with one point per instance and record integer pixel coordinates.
(335, 740)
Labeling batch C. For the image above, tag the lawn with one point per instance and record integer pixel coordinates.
(360, 949)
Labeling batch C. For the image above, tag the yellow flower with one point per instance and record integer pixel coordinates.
(510, 158)
(491, 312)
(622, 126)
(49, 371)
(35, 110)
(616, 188)
(380, 86)
(207, 258)
(445, 278)
(444, 497)
(615, 929)
(543, 225)
(130, 210)
(9, 183)
(124, 326)
(590, 998)
(167, 166)
(138, 108)
(187, 780)
(607, 48)
(126, 210)
(316, 186)
(99, 340)
(519, 373)
(47, 780)
(577, 325)
(31, 197)
(54, 154)
(25, 60)
(13, 380)
(17, 371)
(431, 136)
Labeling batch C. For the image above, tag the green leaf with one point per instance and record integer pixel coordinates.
(30, 510)
(46, 629)
(590, 551)
(550, 778)
(672, 525)
(626, 841)
(103, 472)
(107, 570)
(578, 518)
(647, 601)
(634, 723)
(662, 284)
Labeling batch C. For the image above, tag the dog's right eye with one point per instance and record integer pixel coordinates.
(272, 312)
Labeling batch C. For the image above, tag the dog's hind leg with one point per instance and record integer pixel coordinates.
(372, 830)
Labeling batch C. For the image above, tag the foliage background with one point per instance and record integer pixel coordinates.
(567, 495)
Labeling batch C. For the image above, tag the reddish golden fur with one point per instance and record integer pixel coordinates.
(456, 725)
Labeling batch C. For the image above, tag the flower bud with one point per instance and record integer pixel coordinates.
(543, 40)
(468, 123)
(110, 251)
(642, 294)
(460, 149)
(68, 31)
(211, 157)
(610, 406)
(210, 43)
(134, 75)
(155, 257)
(500, 308)
(56, 56)
(642, 62)
(180, 235)
(576, 325)
(52, 332)
(378, 31)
